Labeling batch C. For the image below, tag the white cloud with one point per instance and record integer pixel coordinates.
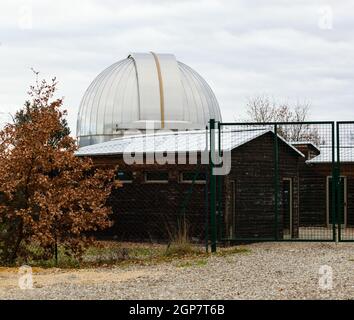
(241, 48)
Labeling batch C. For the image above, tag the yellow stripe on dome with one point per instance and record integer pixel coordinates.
(162, 99)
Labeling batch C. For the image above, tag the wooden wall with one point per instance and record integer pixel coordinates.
(144, 211)
(313, 193)
(254, 178)
(152, 211)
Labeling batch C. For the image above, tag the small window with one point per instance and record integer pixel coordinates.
(188, 177)
(125, 176)
(156, 176)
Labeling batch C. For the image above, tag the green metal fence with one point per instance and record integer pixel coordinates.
(290, 181)
(345, 180)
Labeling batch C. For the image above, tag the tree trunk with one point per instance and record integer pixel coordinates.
(13, 255)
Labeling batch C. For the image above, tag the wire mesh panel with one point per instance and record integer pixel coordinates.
(165, 186)
(280, 184)
(159, 203)
(249, 188)
(306, 192)
(345, 182)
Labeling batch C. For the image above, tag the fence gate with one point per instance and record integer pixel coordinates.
(345, 184)
(290, 181)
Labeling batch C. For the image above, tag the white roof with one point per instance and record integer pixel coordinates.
(346, 154)
(177, 141)
(295, 143)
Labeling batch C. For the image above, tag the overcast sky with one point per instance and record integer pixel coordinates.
(290, 50)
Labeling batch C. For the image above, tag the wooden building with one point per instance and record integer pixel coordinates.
(152, 91)
(316, 188)
(156, 198)
(250, 190)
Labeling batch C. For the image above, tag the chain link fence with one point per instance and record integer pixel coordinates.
(160, 204)
(282, 185)
(345, 181)
(287, 182)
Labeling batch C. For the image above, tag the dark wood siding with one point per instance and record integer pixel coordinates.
(152, 211)
(253, 174)
(145, 211)
(313, 193)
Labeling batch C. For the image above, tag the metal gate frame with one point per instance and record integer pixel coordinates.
(339, 125)
(216, 214)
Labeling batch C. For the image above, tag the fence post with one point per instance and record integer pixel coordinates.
(339, 205)
(219, 189)
(334, 182)
(276, 179)
(206, 211)
(207, 172)
(56, 251)
(212, 187)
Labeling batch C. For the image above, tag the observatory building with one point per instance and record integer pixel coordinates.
(155, 91)
(145, 90)
(151, 91)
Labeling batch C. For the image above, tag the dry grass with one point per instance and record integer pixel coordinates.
(180, 244)
(113, 253)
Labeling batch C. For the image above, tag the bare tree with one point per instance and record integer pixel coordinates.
(262, 109)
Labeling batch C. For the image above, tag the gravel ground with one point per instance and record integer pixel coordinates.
(268, 271)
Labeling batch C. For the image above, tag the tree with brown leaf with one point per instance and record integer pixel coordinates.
(48, 196)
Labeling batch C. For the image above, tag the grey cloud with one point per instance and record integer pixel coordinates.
(242, 48)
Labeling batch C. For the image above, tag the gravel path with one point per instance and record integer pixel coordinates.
(269, 271)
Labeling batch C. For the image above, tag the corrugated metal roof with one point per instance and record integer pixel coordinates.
(177, 141)
(346, 154)
(296, 143)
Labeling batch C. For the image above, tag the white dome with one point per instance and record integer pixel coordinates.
(145, 89)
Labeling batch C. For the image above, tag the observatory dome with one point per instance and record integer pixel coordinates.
(144, 91)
